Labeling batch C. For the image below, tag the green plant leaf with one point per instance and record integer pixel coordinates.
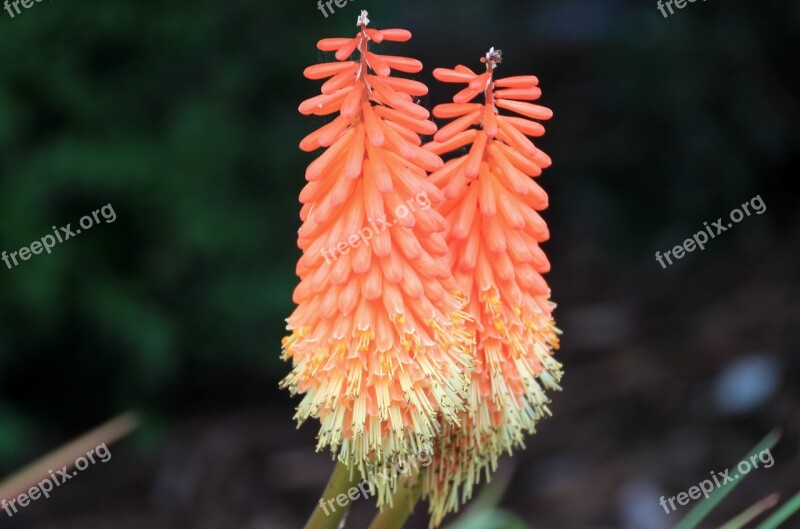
(490, 519)
(699, 512)
(788, 510)
(752, 512)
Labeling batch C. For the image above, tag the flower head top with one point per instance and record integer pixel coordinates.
(363, 19)
(378, 340)
(492, 58)
(494, 233)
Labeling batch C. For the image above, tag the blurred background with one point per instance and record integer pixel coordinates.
(183, 116)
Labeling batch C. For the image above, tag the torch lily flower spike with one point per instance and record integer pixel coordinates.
(378, 344)
(491, 205)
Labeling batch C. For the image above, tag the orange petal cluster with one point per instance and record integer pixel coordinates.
(378, 340)
(494, 234)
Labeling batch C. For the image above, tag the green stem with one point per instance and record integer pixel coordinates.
(403, 502)
(328, 515)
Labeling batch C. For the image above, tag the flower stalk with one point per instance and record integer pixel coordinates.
(402, 505)
(341, 480)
